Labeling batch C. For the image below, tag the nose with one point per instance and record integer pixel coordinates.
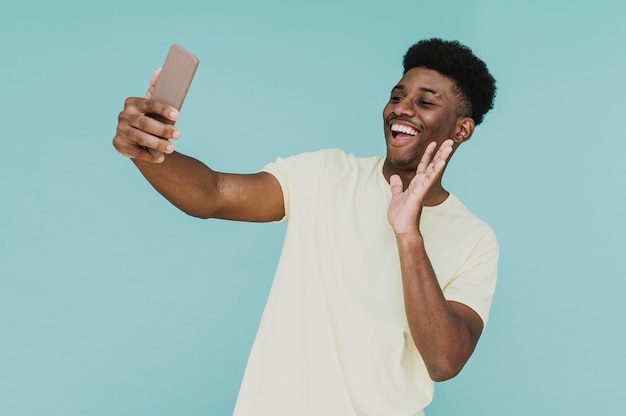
(404, 108)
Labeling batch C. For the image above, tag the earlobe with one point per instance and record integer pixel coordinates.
(464, 130)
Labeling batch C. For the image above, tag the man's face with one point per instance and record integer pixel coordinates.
(421, 109)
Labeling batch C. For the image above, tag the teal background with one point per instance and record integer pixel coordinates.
(113, 302)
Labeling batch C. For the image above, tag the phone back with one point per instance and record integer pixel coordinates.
(175, 78)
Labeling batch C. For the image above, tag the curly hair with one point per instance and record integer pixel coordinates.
(474, 85)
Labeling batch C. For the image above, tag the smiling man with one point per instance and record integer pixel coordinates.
(385, 279)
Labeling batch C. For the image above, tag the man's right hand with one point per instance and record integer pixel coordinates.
(186, 182)
(140, 136)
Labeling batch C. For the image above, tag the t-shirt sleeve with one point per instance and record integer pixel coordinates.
(297, 173)
(280, 170)
(475, 282)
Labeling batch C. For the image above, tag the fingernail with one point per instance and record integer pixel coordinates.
(173, 114)
(169, 148)
(175, 134)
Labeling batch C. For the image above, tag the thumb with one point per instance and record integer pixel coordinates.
(153, 82)
(396, 185)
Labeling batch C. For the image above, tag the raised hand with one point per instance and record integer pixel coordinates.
(142, 137)
(406, 205)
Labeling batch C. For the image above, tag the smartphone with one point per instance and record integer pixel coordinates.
(175, 78)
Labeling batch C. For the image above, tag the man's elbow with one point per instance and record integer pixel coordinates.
(199, 214)
(445, 370)
(196, 211)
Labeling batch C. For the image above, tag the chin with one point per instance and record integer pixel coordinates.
(402, 160)
(402, 163)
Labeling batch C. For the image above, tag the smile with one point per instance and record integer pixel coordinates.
(397, 129)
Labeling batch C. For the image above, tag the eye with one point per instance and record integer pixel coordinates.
(395, 99)
(424, 103)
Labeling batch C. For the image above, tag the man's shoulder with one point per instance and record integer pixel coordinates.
(333, 158)
(456, 215)
(335, 154)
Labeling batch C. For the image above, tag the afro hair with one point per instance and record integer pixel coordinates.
(474, 84)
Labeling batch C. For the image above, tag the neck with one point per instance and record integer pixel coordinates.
(436, 196)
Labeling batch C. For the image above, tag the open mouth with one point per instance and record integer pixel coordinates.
(401, 131)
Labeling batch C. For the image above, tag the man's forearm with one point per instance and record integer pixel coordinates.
(443, 338)
(186, 182)
(202, 192)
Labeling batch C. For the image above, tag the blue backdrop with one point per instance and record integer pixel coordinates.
(113, 302)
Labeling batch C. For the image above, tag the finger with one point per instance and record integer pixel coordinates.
(140, 138)
(160, 156)
(444, 151)
(155, 127)
(426, 158)
(137, 152)
(134, 115)
(436, 168)
(396, 185)
(153, 82)
(432, 168)
(156, 108)
(442, 155)
(439, 162)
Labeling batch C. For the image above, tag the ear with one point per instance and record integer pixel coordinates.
(464, 130)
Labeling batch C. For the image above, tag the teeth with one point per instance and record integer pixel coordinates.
(403, 129)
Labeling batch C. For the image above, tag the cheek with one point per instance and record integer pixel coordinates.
(386, 111)
(439, 125)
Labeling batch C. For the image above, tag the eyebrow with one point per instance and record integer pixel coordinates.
(423, 89)
(433, 92)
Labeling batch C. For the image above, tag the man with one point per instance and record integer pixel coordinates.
(385, 279)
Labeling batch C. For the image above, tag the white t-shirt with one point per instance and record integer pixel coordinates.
(334, 338)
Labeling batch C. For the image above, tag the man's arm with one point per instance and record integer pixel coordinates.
(202, 192)
(445, 333)
(186, 182)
